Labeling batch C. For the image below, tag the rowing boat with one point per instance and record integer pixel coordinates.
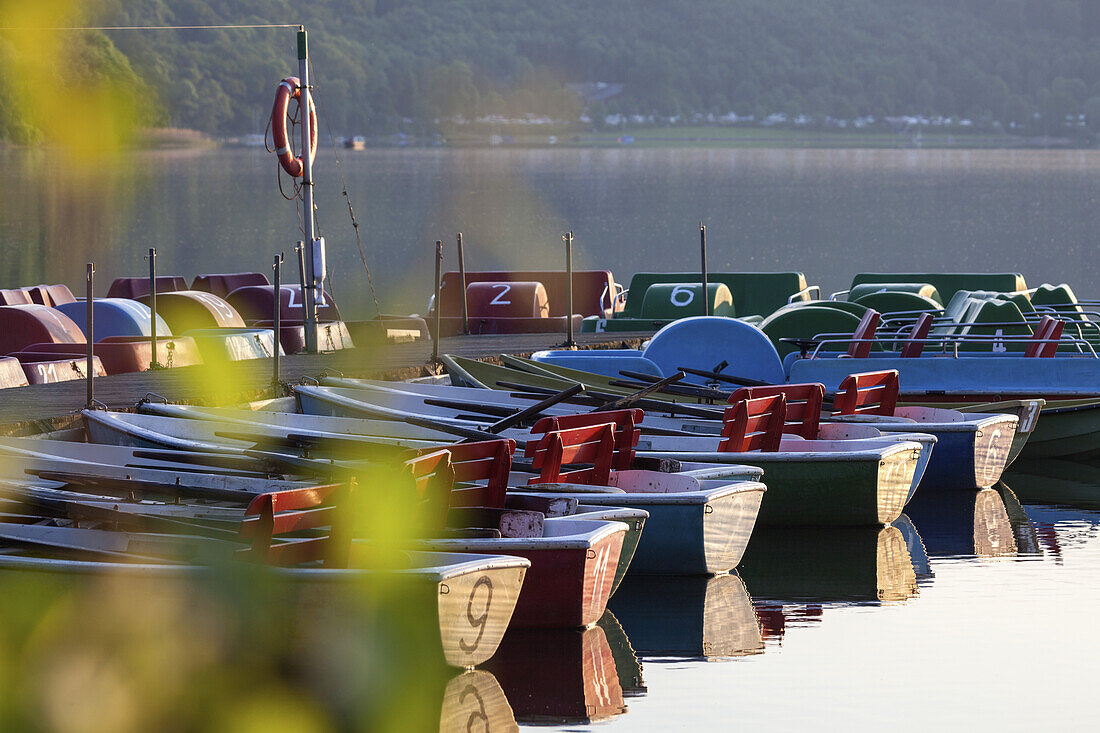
(467, 598)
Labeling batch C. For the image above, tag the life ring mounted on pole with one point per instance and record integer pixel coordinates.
(290, 88)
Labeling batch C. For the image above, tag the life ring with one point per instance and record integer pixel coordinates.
(291, 88)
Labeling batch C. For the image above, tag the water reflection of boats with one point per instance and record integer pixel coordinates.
(626, 660)
(1027, 539)
(1073, 483)
(830, 564)
(559, 675)
(474, 701)
(964, 523)
(688, 616)
(918, 554)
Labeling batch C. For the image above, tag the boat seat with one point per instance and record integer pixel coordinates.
(487, 460)
(593, 444)
(624, 421)
(923, 290)
(135, 287)
(754, 425)
(593, 290)
(293, 510)
(914, 344)
(23, 325)
(949, 283)
(15, 296)
(803, 405)
(223, 284)
(869, 393)
(1044, 342)
(860, 348)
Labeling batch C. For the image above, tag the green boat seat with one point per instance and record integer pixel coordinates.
(679, 300)
(805, 323)
(926, 290)
(1021, 300)
(754, 293)
(899, 302)
(949, 283)
(997, 313)
(856, 309)
(1059, 297)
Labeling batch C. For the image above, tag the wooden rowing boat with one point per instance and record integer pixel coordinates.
(467, 598)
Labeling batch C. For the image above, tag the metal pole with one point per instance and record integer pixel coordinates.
(703, 256)
(462, 283)
(277, 318)
(438, 277)
(310, 276)
(89, 335)
(300, 250)
(568, 239)
(154, 363)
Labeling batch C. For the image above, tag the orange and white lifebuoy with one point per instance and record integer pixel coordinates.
(291, 88)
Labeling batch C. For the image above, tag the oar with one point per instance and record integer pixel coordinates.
(718, 377)
(625, 402)
(114, 486)
(677, 390)
(535, 409)
(661, 406)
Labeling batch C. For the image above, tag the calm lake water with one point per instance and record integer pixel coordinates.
(827, 213)
(973, 612)
(977, 611)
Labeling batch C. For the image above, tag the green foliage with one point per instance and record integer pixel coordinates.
(380, 62)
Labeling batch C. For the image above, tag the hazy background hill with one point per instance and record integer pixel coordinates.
(385, 65)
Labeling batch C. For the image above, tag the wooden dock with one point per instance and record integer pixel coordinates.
(48, 407)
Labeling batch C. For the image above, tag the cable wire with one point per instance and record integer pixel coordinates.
(351, 209)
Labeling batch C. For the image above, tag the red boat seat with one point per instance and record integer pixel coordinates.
(593, 444)
(22, 325)
(257, 303)
(185, 310)
(624, 421)
(914, 344)
(16, 296)
(860, 347)
(49, 371)
(1044, 341)
(869, 393)
(11, 373)
(803, 408)
(593, 290)
(283, 512)
(754, 425)
(223, 285)
(525, 299)
(489, 461)
(135, 287)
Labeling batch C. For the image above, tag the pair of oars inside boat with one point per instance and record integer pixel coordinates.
(127, 488)
(131, 517)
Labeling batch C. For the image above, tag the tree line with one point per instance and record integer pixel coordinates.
(383, 65)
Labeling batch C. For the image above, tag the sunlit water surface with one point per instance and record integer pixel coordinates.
(971, 614)
(988, 623)
(825, 212)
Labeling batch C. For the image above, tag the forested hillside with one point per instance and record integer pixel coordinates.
(379, 63)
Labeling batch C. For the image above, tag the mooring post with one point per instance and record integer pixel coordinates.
(462, 284)
(568, 239)
(89, 335)
(438, 277)
(277, 318)
(309, 276)
(152, 258)
(703, 256)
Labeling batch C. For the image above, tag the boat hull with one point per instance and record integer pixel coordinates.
(689, 533)
(825, 489)
(570, 578)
